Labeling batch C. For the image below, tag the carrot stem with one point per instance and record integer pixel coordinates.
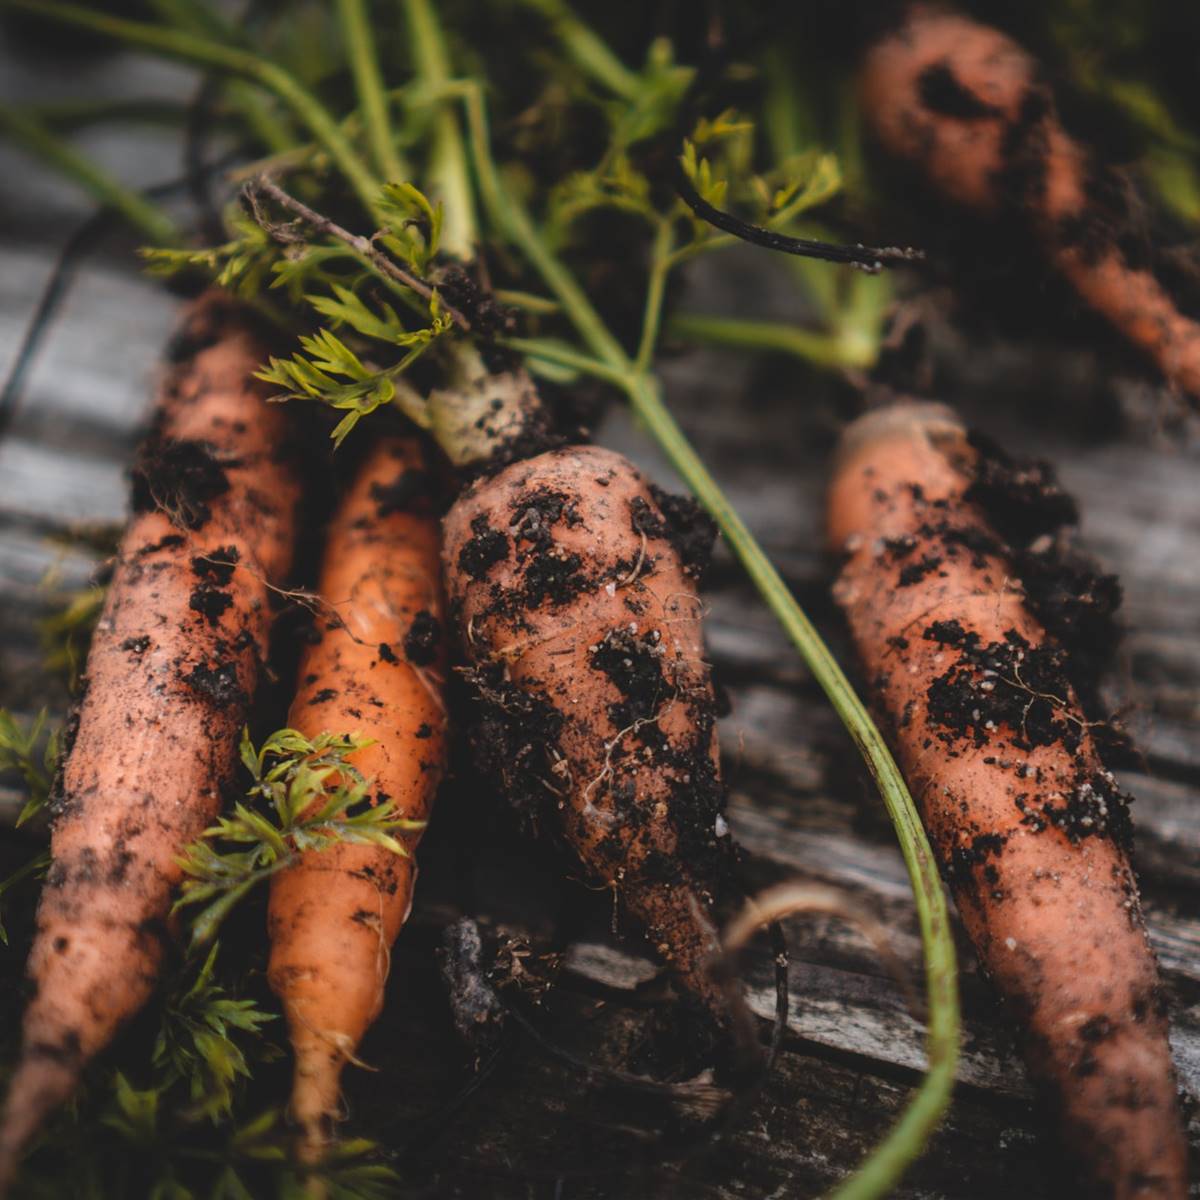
(368, 82)
(204, 52)
(821, 349)
(656, 290)
(139, 212)
(589, 52)
(449, 168)
(511, 217)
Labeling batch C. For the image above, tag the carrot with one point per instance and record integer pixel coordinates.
(1030, 829)
(379, 669)
(173, 664)
(581, 621)
(965, 102)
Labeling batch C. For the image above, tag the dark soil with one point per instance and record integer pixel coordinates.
(477, 1010)
(1010, 683)
(487, 548)
(509, 735)
(178, 478)
(941, 92)
(1073, 598)
(423, 640)
(217, 565)
(210, 602)
(411, 491)
(688, 528)
(634, 666)
(217, 683)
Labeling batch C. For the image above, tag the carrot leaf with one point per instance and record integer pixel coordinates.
(66, 633)
(331, 373)
(241, 264)
(196, 1040)
(413, 227)
(31, 751)
(304, 795)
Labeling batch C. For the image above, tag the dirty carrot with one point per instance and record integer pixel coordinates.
(173, 664)
(967, 104)
(576, 601)
(378, 668)
(1030, 828)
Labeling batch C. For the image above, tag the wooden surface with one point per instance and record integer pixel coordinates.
(800, 803)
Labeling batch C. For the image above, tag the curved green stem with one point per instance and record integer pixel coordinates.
(205, 19)
(588, 51)
(448, 171)
(528, 301)
(203, 52)
(364, 62)
(822, 349)
(509, 215)
(656, 290)
(145, 216)
(562, 355)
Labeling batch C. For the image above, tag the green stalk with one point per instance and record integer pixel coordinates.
(656, 290)
(908, 1136)
(80, 114)
(853, 311)
(509, 215)
(206, 20)
(588, 52)
(822, 349)
(448, 171)
(145, 216)
(203, 52)
(525, 300)
(189, 14)
(364, 61)
(563, 355)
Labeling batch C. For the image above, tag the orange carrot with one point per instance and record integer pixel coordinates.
(581, 620)
(379, 670)
(1030, 829)
(965, 102)
(173, 664)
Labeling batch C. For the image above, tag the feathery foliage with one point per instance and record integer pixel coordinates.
(304, 796)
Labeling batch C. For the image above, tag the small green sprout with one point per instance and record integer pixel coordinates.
(414, 225)
(240, 265)
(67, 632)
(304, 796)
(195, 1041)
(133, 1113)
(33, 756)
(329, 372)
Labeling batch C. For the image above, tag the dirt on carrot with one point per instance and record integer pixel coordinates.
(581, 622)
(174, 662)
(970, 108)
(377, 668)
(1031, 829)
